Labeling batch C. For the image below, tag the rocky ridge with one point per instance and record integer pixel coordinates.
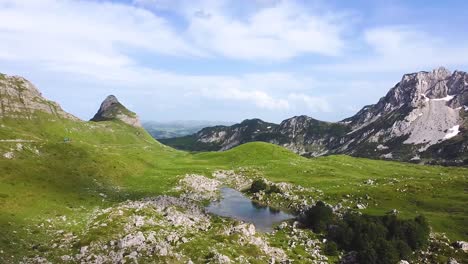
(423, 110)
(19, 98)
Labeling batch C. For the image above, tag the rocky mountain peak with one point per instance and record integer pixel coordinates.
(253, 121)
(422, 110)
(109, 101)
(19, 98)
(112, 109)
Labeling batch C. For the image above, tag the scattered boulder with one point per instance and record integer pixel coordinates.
(9, 155)
(369, 182)
(220, 259)
(461, 245)
(361, 206)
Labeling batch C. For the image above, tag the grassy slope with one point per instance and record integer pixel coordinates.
(126, 163)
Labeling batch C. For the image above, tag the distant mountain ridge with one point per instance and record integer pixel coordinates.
(178, 128)
(422, 118)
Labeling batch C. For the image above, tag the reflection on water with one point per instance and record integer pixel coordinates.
(235, 205)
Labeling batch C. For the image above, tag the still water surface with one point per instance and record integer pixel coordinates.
(235, 205)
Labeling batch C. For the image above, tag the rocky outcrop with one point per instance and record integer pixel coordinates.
(112, 109)
(308, 136)
(424, 112)
(19, 98)
(423, 118)
(227, 137)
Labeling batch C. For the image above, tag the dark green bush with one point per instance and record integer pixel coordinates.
(318, 217)
(258, 185)
(376, 239)
(330, 248)
(273, 189)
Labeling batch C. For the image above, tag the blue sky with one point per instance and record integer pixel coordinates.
(228, 60)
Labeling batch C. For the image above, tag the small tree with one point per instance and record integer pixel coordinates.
(330, 249)
(274, 189)
(258, 185)
(318, 217)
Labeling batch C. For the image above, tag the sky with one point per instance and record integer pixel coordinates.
(228, 60)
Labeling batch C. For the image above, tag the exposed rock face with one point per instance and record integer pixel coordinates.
(422, 114)
(226, 137)
(422, 118)
(19, 98)
(112, 109)
(308, 136)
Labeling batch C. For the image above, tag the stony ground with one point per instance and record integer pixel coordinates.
(169, 229)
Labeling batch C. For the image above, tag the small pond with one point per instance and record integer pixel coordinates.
(235, 205)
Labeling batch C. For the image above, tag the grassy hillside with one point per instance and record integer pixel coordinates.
(62, 168)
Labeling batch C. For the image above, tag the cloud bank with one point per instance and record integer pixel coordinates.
(278, 57)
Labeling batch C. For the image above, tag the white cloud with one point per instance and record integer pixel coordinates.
(314, 104)
(268, 91)
(114, 44)
(402, 49)
(101, 32)
(260, 99)
(83, 33)
(95, 39)
(271, 30)
(278, 32)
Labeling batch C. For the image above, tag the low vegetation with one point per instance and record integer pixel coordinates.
(376, 239)
(260, 185)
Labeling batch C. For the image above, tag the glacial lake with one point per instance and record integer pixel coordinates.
(235, 205)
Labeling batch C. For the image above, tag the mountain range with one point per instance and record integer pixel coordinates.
(423, 118)
(178, 128)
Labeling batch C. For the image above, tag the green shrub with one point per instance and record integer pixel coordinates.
(258, 185)
(273, 189)
(330, 249)
(376, 239)
(318, 217)
(387, 237)
(261, 185)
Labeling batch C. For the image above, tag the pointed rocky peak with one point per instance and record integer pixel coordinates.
(112, 109)
(441, 73)
(256, 125)
(252, 121)
(416, 91)
(19, 98)
(301, 121)
(301, 118)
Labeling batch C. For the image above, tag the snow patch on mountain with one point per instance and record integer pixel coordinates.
(446, 98)
(452, 132)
